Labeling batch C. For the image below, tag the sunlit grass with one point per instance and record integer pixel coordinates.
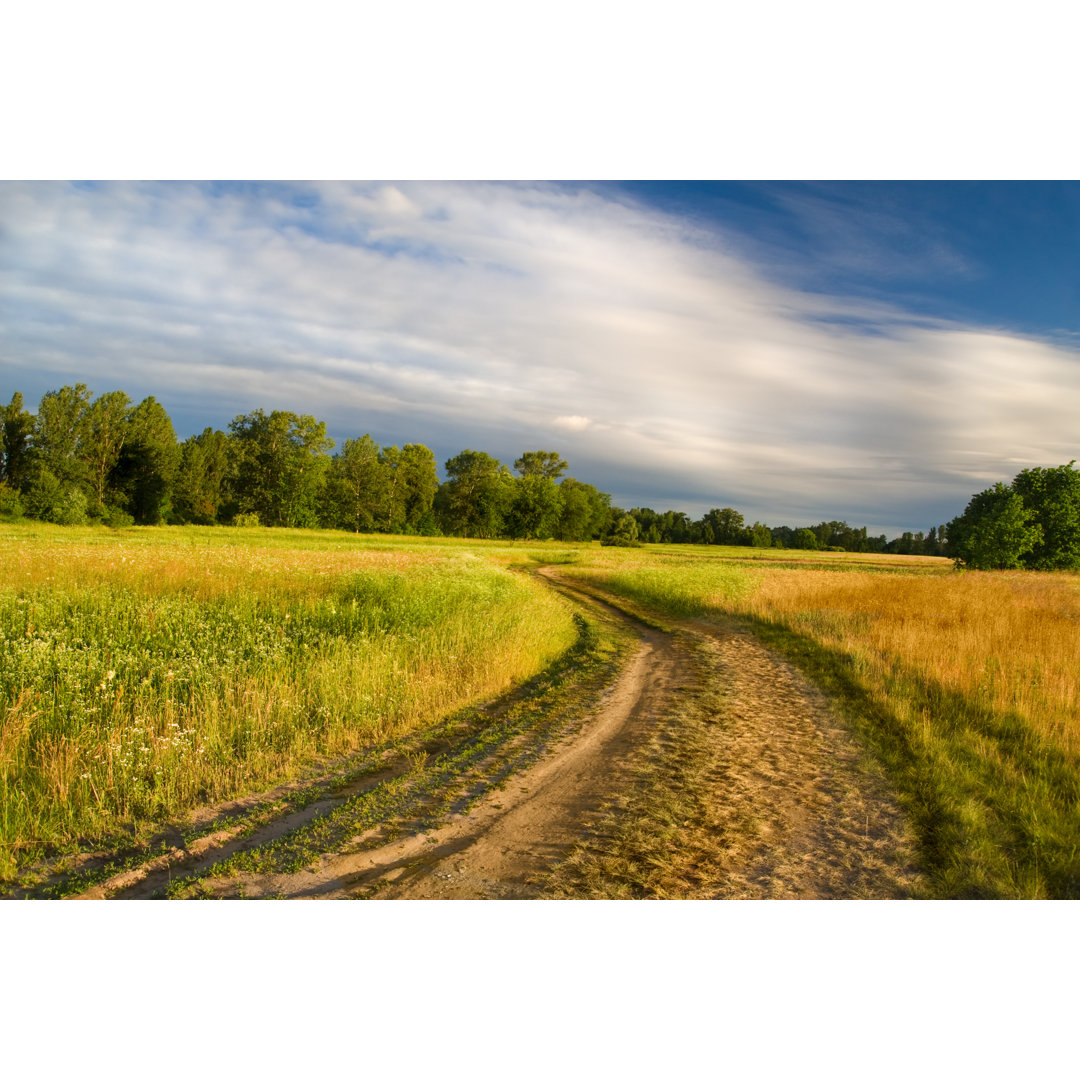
(142, 674)
(966, 685)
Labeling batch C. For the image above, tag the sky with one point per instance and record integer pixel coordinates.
(867, 351)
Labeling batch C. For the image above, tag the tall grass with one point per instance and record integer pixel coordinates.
(1007, 641)
(965, 685)
(141, 675)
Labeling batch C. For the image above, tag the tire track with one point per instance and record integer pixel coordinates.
(786, 804)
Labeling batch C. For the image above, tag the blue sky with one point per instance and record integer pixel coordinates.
(875, 352)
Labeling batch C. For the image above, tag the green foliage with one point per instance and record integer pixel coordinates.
(995, 531)
(146, 467)
(585, 511)
(727, 526)
(419, 482)
(202, 474)
(280, 464)
(10, 504)
(534, 507)
(17, 429)
(59, 433)
(354, 486)
(761, 536)
(805, 540)
(543, 463)
(116, 518)
(473, 501)
(622, 532)
(1052, 497)
(103, 429)
(50, 499)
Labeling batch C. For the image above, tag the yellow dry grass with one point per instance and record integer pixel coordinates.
(1010, 640)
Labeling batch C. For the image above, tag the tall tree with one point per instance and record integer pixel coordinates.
(544, 463)
(280, 466)
(146, 470)
(760, 535)
(585, 511)
(416, 469)
(1052, 496)
(201, 477)
(994, 532)
(18, 431)
(676, 527)
(58, 433)
(103, 429)
(727, 526)
(473, 499)
(534, 506)
(622, 530)
(354, 484)
(392, 511)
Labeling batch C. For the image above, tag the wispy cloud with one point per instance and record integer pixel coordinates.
(665, 366)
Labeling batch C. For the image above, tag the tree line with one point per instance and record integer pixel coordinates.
(727, 526)
(82, 459)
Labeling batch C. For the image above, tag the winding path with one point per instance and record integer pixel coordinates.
(793, 810)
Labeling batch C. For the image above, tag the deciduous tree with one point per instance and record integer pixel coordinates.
(994, 532)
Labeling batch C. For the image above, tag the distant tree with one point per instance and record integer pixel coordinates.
(50, 499)
(994, 532)
(648, 523)
(103, 428)
(544, 463)
(420, 481)
(145, 473)
(585, 511)
(727, 526)
(353, 491)
(473, 500)
(622, 531)
(783, 536)
(804, 539)
(675, 527)
(201, 477)
(17, 429)
(534, 507)
(280, 465)
(11, 506)
(760, 535)
(392, 510)
(59, 431)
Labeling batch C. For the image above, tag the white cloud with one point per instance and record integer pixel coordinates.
(571, 423)
(492, 314)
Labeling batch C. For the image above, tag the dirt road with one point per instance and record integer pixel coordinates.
(783, 806)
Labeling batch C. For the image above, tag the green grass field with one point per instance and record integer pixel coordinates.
(146, 672)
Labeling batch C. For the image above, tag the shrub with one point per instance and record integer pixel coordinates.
(10, 504)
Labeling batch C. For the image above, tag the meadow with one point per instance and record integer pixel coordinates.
(149, 671)
(146, 672)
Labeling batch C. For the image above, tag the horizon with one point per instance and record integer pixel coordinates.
(801, 352)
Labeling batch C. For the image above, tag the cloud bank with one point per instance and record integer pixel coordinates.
(657, 357)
